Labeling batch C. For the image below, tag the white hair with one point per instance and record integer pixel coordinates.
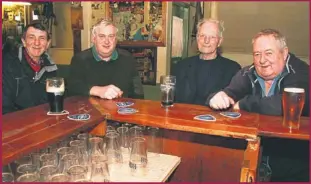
(103, 22)
(220, 24)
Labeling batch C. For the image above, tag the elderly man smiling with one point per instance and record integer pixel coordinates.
(258, 88)
(199, 76)
(103, 70)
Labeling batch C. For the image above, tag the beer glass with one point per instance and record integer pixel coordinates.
(77, 172)
(293, 101)
(138, 157)
(60, 178)
(55, 89)
(154, 141)
(7, 177)
(167, 87)
(113, 148)
(29, 177)
(46, 172)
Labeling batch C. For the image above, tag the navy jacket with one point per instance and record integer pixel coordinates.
(246, 89)
(217, 76)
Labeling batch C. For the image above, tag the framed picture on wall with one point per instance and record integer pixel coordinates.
(139, 23)
(146, 63)
(76, 18)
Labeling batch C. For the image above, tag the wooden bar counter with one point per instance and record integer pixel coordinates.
(223, 150)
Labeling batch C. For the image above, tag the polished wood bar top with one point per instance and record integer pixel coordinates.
(180, 117)
(26, 130)
(29, 129)
(271, 126)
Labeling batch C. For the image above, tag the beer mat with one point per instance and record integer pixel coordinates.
(231, 114)
(57, 113)
(79, 117)
(124, 104)
(205, 117)
(127, 111)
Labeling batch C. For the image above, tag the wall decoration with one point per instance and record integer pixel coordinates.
(98, 11)
(76, 18)
(12, 20)
(139, 23)
(146, 58)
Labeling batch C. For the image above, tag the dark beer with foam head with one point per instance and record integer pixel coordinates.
(55, 89)
(293, 101)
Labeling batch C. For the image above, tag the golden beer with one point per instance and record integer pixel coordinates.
(293, 101)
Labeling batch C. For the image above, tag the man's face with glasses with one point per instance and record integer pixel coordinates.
(208, 38)
(105, 40)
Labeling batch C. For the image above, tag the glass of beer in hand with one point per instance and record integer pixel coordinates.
(293, 101)
(55, 89)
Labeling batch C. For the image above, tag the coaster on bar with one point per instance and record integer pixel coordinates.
(231, 114)
(57, 113)
(79, 117)
(124, 104)
(127, 111)
(205, 117)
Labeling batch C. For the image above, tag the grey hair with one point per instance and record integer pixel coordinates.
(220, 24)
(275, 33)
(103, 22)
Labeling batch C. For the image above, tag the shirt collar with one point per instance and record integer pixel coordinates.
(262, 84)
(114, 55)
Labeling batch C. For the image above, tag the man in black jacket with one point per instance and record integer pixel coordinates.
(103, 70)
(25, 69)
(258, 88)
(199, 76)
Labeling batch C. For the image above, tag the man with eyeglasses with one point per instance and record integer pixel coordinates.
(206, 73)
(103, 70)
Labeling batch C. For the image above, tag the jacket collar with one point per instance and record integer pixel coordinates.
(48, 64)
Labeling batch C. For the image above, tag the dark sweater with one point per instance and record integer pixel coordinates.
(86, 72)
(197, 78)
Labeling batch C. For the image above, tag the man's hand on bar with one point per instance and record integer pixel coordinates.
(107, 92)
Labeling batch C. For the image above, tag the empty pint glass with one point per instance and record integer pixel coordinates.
(55, 89)
(293, 101)
(167, 87)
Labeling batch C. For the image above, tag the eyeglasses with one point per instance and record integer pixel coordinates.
(211, 37)
(103, 37)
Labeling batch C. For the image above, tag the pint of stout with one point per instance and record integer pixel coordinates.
(167, 87)
(55, 88)
(293, 101)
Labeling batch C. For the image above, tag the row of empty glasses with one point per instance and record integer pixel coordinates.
(86, 158)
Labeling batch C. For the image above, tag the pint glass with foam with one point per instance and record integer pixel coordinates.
(55, 89)
(293, 101)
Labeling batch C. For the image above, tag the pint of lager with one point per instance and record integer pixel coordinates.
(55, 88)
(293, 101)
